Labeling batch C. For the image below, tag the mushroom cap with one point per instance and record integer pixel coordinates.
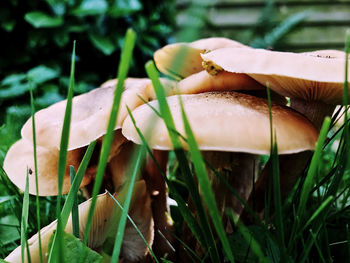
(90, 114)
(227, 121)
(140, 212)
(223, 81)
(20, 157)
(311, 76)
(164, 57)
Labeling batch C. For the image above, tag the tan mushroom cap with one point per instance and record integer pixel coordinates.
(140, 212)
(164, 57)
(223, 81)
(311, 76)
(21, 156)
(227, 121)
(90, 114)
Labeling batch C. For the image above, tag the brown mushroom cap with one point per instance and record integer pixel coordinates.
(311, 76)
(20, 157)
(140, 212)
(227, 121)
(165, 56)
(90, 114)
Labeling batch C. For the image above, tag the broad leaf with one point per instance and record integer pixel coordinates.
(42, 20)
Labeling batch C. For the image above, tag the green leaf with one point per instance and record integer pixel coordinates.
(24, 220)
(41, 20)
(42, 74)
(73, 248)
(14, 91)
(124, 7)
(102, 43)
(13, 79)
(91, 7)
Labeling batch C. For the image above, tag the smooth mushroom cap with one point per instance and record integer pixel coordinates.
(20, 157)
(192, 63)
(140, 212)
(227, 121)
(312, 76)
(223, 81)
(90, 114)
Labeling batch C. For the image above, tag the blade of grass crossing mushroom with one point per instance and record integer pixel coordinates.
(62, 157)
(346, 97)
(121, 222)
(136, 228)
(205, 186)
(309, 180)
(36, 173)
(123, 69)
(24, 222)
(183, 208)
(275, 176)
(68, 205)
(75, 212)
(183, 162)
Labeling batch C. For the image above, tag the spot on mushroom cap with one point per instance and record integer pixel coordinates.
(308, 76)
(90, 114)
(20, 157)
(226, 121)
(192, 62)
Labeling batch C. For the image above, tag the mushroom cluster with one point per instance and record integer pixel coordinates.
(222, 85)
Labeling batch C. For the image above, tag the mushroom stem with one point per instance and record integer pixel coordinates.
(315, 111)
(238, 170)
(157, 187)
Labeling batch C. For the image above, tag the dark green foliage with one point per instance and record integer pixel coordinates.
(36, 40)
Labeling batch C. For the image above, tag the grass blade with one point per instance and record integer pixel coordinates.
(36, 173)
(123, 69)
(24, 221)
(205, 186)
(182, 205)
(75, 211)
(180, 155)
(68, 205)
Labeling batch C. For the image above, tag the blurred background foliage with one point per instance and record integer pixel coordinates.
(36, 45)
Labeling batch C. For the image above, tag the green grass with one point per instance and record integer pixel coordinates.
(310, 226)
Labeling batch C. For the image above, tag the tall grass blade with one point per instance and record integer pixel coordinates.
(182, 205)
(123, 69)
(184, 167)
(36, 173)
(68, 205)
(126, 204)
(275, 175)
(205, 186)
(24, 221)
(75, 211)
(309, 180)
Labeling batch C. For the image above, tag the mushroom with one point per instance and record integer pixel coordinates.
(133, 247)
(313, 80)
(192, 62)
(229, 128)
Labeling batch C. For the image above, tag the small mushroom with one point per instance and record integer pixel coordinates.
(229, 128)
(192, 62)
(133, 247)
